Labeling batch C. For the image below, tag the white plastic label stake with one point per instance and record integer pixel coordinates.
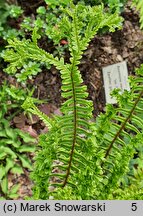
(115, 76)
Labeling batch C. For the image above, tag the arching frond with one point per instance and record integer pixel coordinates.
(121, 130)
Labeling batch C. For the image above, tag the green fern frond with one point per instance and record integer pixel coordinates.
(120, 137)
(134, 191)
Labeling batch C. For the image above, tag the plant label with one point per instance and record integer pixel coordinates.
(115, 76)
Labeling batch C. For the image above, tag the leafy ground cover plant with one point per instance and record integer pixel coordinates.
(79, 158)
(8, 11)
(14, 143)
(47, 19)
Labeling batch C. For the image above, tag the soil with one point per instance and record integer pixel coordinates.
(103, 50)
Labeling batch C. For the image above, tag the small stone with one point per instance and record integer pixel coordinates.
(119, 58)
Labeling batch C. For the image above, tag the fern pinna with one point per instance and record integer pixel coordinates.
(78, 159)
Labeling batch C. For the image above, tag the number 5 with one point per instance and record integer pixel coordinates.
(134, 206)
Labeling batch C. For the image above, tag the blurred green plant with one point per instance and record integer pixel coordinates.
(139, 6)
(8, 11)
(14, 143)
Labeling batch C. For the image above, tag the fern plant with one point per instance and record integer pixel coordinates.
(78, 159)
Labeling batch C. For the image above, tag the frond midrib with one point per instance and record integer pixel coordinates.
(74, 125)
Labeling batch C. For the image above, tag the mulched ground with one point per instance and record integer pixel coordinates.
(110, 48)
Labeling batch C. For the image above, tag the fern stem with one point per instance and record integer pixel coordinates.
(123, 126)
